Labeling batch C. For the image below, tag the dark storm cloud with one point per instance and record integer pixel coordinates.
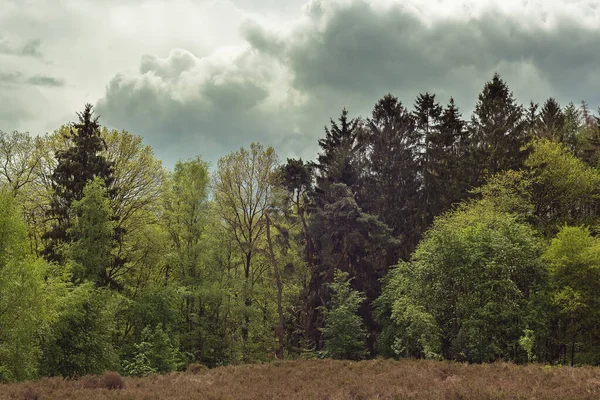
(362, 49)
(346, 54)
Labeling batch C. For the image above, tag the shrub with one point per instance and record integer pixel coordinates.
(155, 353)
(30, 394)
(196, 368)
(108, 380)
(112, 381)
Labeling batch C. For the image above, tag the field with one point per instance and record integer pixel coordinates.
(331, 380)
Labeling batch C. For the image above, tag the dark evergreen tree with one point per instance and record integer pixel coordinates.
(499, 129)
(571, 126)
(350, 240)
(391, 186)
(431, 155)
(551, 121)
(533, 118)
(448, 166)
(340, 157)
(588, 137)
(76, 166)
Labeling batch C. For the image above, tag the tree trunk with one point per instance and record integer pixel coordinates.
(247, 302)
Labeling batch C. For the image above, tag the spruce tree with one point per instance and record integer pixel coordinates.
(76, 167)
(499, 129)
(533, 118)
(338, 160)
(448, 166)
(393, 182)
(551, 121)
(431, 155)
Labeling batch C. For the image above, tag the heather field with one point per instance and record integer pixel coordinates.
(328, 379)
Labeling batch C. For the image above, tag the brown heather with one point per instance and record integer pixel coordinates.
(332, 380)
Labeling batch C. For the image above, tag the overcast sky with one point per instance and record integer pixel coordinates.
(205, 77)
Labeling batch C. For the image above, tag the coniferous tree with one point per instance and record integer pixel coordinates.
(588, 137)
(572, 124)
(551, 121)
(449, 162)
(533, 118)
(339, 159)
(499, 129)
(76, 166)
(427, 114)
(392, 184)
(350, 240)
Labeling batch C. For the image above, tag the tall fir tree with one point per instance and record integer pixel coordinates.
(431, 154)
(499, 129)
(392, 183)
(339, 158)
(76, 167)
(572, 125)
(588, 137)
(533, 118)
(551, 121)
(448, 165)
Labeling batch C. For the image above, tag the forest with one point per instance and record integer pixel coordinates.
(414, 233)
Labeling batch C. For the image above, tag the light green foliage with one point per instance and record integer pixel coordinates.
(156, 352)
(345, 334)
(565, 190)
(243, 193)
(527, 342)
(93, 229)
(557, 188)
(510, 192)
(466, 292)
(22, 296)
(574, 260)
(80, 340)
(186, 206)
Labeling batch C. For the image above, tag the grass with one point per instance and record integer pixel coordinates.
(330, 380)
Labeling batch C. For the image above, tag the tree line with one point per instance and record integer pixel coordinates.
(414, 233)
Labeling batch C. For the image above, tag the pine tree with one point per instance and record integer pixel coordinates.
(499, 129)
(76, 166)
(350, 240)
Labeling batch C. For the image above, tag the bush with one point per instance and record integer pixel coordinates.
(30, 394)
(155, 353)
(196, 368)
(108, 380)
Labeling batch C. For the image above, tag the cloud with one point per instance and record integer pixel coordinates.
(284, 83)
(41, 80)
(16, 78)
(10, 77)
(29, 48)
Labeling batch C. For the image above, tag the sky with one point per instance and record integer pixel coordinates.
(206, 77)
